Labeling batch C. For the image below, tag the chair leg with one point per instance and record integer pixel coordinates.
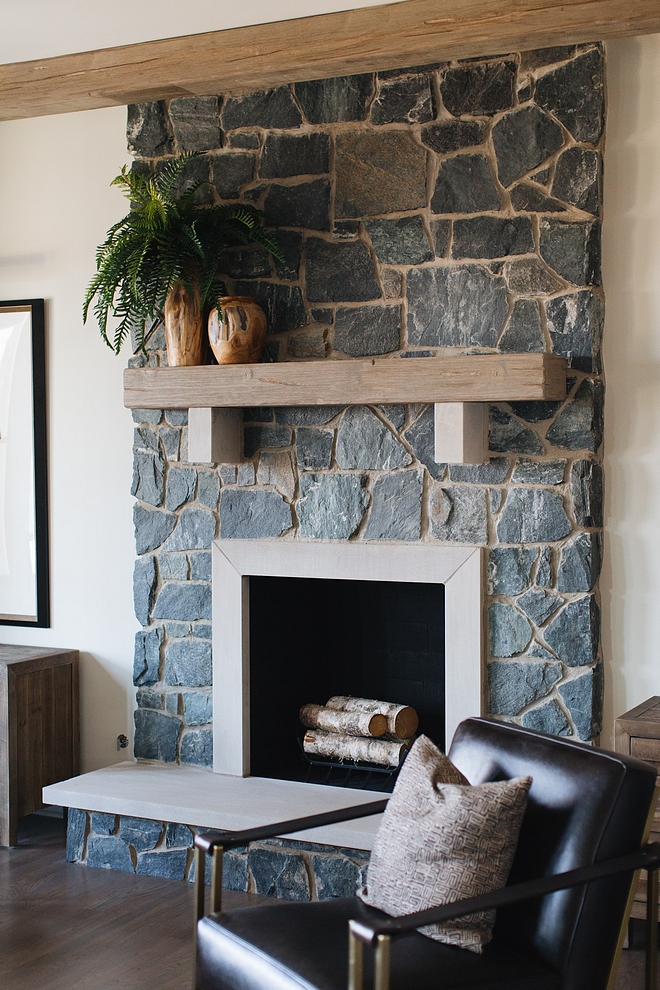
(200, 870)
(216, 879)
(652, 930)
(356, 958)
(355, 962)
(382, 974)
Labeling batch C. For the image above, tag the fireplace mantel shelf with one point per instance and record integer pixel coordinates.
(464, 378)
(458, 386)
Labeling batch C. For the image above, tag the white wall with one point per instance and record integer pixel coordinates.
(55, 207)
(630, 584)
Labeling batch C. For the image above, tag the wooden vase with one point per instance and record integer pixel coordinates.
(183, 327)
(238, 331)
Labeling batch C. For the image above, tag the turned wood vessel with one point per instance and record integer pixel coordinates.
(237, 330)
(183, 327)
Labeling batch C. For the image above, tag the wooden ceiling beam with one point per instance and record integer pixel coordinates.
(243, 59)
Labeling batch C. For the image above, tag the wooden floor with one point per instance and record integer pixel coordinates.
(631, 973)
(66, 927)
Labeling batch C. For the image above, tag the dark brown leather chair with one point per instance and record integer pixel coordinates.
(559, 920)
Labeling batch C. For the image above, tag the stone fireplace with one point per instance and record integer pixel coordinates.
(427, 211)
(424, 211)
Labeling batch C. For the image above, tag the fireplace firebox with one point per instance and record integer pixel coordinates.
(312, 638)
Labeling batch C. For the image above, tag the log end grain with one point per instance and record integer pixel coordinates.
(377, 726)
(406, 723)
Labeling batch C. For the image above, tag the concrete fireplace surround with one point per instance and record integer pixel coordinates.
(458, 568)
(427, 211)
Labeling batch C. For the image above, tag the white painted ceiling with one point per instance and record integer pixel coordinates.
(33, 29)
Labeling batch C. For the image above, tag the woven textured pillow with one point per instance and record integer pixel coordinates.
(442, 840)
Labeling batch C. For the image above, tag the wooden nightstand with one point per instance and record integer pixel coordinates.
(39, 735)
(637, 733)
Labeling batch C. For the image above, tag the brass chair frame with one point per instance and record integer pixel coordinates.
(379, 935)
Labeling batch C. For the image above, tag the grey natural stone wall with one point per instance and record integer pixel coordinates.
(446, 209)
(295, 871)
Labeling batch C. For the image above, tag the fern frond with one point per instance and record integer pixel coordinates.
(168, 176)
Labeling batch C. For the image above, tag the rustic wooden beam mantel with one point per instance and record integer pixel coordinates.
(461, 378)
(322, 46)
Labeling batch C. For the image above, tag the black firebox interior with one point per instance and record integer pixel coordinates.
(311, 638)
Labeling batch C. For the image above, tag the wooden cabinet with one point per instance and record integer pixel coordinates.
(39, 733)
(637, 733)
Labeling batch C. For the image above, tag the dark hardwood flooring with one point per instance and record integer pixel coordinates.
(631, 972)
(66, 927)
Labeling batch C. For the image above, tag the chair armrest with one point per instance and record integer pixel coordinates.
(230, 840)
(647, 858)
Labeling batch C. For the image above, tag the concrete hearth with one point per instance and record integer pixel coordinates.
(195, 797)
(140, 817)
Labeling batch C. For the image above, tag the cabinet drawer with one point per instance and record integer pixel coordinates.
(646, 749)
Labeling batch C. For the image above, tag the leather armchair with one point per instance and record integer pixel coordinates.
(560, 920)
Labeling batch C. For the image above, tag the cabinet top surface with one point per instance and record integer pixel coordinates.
(647, 711)
(15, 654)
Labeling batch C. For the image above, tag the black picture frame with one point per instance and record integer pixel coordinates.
(40, 436)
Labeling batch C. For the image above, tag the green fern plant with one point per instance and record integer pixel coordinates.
(165, 240)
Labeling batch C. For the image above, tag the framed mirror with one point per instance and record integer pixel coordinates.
(24, 574)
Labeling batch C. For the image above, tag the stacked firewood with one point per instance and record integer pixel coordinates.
(359, 729)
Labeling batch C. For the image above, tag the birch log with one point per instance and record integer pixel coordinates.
(402, 720)
(317, 742)
(348, 723)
